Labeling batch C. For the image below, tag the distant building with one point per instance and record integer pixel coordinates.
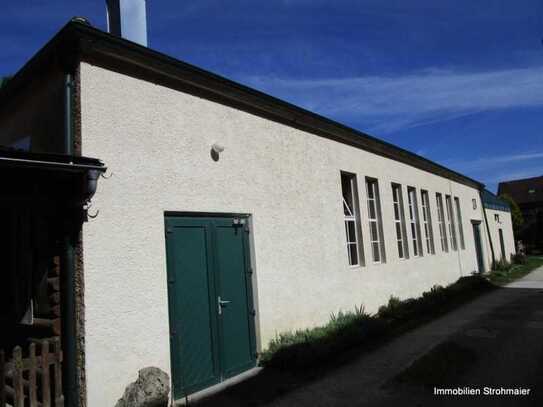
(528, 194)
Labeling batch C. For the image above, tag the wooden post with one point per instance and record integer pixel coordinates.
(18, 377)
(59, 398)
(32, 384)
(2, 379)
(45, 383)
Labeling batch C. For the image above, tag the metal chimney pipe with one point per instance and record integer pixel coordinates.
(128, 19)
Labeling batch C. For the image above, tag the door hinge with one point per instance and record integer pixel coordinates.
(168, 231)
(253, 313)
(250, 271)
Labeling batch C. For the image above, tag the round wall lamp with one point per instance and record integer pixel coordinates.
(216, 150)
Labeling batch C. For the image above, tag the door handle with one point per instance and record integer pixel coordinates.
(221, 304)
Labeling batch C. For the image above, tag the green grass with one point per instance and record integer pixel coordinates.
(505, 273)
(319, 346)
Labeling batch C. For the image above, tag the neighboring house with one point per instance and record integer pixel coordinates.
(227, 216)
(528, 194)
(501, 242)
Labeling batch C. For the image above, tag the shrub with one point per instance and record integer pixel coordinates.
(306, 347)
(501, 265)
(316, 346)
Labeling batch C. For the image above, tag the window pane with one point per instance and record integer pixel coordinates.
(376, 254)
(400, 249)
(373, 231)
(395, 194)
(398, 231)
(351, 231)
(371, 208)
(396, 212)
(347, 190)
(371, 192)
(353, 253)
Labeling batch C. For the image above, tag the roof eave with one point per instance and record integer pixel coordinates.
(77, 41)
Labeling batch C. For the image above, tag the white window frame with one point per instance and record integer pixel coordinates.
(459, 223)
(414, 222)
(399, 221)
(427, 221)
(372, 198)
(450, 222)
(441, 223)
(351, 216)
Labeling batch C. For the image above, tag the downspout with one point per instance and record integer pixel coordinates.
(487, 228)
(69, 343)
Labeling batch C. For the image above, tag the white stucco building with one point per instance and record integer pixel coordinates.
(230, 216)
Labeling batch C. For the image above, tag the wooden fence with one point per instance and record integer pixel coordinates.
(35, 380)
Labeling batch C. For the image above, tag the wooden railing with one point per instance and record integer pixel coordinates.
(33, 381)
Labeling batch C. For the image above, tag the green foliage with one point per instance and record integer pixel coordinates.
(504, 273)
(516, 215)
(307, 347)
(4, 80)
(345, 330)
(501, 265)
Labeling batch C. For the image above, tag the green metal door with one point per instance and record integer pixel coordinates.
(211, 309)
(478, 246)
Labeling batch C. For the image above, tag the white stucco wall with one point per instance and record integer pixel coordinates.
(494, 226)
(156, 143)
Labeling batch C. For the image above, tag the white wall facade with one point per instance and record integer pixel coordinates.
(156, 142)
(498, 219)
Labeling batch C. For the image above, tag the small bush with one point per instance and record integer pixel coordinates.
(501, 265)
(316, 346)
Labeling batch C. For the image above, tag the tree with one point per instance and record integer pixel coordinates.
(516, 215)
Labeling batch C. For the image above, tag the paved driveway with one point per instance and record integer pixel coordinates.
(503, 330)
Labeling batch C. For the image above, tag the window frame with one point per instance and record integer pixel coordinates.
(352, 217)
(450, 222)
(459, 222)
(441, 223)
(399, 222)
(414, 222)
(372, 185)
(427, 221)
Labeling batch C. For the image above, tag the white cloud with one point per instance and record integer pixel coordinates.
(497, 162)
(389, 103)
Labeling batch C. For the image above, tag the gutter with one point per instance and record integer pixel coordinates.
(487, 228)
(52, 164)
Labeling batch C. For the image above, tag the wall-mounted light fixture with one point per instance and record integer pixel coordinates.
(216, 149)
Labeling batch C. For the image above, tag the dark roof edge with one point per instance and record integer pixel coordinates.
(493, 201)
(520, 180)
(77, 41)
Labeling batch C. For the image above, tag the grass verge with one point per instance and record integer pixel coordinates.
(505, 273)
(308, 348)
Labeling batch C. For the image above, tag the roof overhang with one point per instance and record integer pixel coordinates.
(80, 42)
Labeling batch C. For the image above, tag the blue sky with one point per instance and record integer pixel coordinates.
(459, 82)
